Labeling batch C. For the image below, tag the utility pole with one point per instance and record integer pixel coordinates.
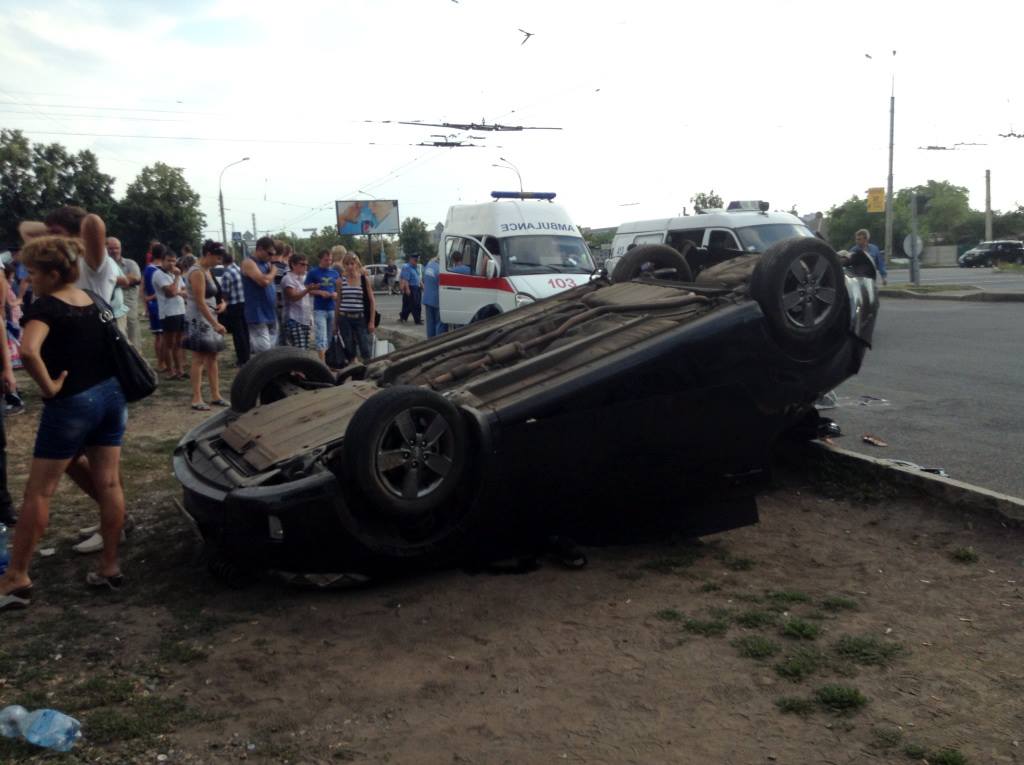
(988, 205)
(254, 234)
(915, 252)
(889, 252)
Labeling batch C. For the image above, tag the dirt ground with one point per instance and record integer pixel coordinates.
(850, 625)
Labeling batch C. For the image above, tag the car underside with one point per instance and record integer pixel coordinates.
(608, 398)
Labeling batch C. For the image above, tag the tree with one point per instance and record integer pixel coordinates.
(35, 179)
(844, 221)
(324, 239)
(707, 201)
(159, 204)
(415, 238)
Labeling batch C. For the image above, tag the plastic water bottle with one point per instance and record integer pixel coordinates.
(46, 728)
(5, 555)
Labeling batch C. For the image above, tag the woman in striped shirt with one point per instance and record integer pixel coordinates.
(356, 308)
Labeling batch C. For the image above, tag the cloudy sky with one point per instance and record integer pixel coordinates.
(656, 100)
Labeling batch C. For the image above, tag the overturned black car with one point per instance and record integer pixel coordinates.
(650, 389)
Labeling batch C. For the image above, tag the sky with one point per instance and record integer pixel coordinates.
(656, 101)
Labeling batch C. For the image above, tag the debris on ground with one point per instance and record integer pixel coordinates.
(873, 440)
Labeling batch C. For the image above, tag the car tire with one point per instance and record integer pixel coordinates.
(801, 289)
(265, 377)
(487, 312)
(661, 256)
(406, 447)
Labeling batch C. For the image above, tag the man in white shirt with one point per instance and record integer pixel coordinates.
(127, 292)
(170, 299)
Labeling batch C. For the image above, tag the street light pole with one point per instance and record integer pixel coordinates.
(889, 252)
(220, 196)
(514, 169)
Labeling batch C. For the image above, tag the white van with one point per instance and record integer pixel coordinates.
(496, 256)
(720, 234)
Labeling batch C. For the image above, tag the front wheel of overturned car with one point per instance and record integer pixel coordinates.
(272, 375)
(801, 289)
(658, 260)
(406, 448)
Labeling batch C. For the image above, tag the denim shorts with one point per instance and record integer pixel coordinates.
(322, 322)
(95, 417)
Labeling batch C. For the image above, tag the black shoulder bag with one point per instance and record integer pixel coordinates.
(136, 376)
(366, 303)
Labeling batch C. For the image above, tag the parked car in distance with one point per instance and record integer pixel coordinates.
(607, 397)
(990, 253)
(377, 273)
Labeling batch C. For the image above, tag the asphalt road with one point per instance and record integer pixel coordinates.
(985, 278)
(952, 378)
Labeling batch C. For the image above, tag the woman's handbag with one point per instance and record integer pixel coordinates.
(335, 356)
(136, 376)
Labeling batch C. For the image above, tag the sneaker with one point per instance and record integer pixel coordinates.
(129, 527)
(92, 544)
(11, 410)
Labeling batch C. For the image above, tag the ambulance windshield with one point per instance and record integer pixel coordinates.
(545, 255)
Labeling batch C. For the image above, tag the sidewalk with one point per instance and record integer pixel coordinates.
(976, 294)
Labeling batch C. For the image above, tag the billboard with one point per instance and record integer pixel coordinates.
(361, 216)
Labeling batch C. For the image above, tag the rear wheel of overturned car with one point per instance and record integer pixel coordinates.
(657, 260)
(801, 289)
(275, 374)
(406, 447)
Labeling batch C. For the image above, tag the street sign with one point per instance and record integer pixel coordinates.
(913, 245)
(236, 236)
(876, 200)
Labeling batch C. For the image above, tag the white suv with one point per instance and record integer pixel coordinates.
(715, 235)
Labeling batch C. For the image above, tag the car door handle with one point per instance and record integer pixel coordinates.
(452, 288)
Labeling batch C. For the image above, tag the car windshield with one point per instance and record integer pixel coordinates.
(759, 238)
(546, 254)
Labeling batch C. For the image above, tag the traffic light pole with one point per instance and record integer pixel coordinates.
(915, 250)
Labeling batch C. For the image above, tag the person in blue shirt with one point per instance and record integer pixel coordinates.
(412, 292)
(458, 267)
(432, 297)
(863, 244)
(324, 279)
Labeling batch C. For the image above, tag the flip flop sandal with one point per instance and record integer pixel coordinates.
(220, 402)
(16, 599)
(201, 407)
(114, 583)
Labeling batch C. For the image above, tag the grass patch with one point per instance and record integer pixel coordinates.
(790, 705)
(787, 597)
(757, 619)
(669, 615)
(885, 737)
(841, 699)
(146, 717)
(669, 564)
(867, 650)
(756, 647)
(915, 751)
(964, 555)
(798, 629)
(179, 652)
(838, 603)
(734, 563)
(706, 627)
(710, 587)
(947, 757)
(801, 664)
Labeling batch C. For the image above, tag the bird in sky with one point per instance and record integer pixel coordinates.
(527, 36)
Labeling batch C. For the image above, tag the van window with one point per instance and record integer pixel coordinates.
(759, 238)
(693, 235)
(722, 238)
(648, 239)
(545, 255)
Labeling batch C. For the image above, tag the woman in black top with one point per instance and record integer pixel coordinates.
(65, 351)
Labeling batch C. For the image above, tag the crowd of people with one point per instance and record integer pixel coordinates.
(69, 280)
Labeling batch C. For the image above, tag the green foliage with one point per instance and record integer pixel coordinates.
(158, 204)
(707, 201)
(37, 178)
(964, 555)
(789, 705)
(845, 219)
(885, 737)
(756, 647)
(915, 751)
(415, 239)
(947, 757)
(839, 603)
(669, 615)
(840, 698)
(756, 619)
(788, 597)
(798, 629)
(707, 627)
(867, 651)
(801, 664)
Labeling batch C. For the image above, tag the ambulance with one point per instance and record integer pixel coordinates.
(497, 256)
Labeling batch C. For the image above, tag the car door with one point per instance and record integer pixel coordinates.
(461, 296)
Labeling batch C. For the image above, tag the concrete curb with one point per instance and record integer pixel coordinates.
(957, 494)
(979, 296)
